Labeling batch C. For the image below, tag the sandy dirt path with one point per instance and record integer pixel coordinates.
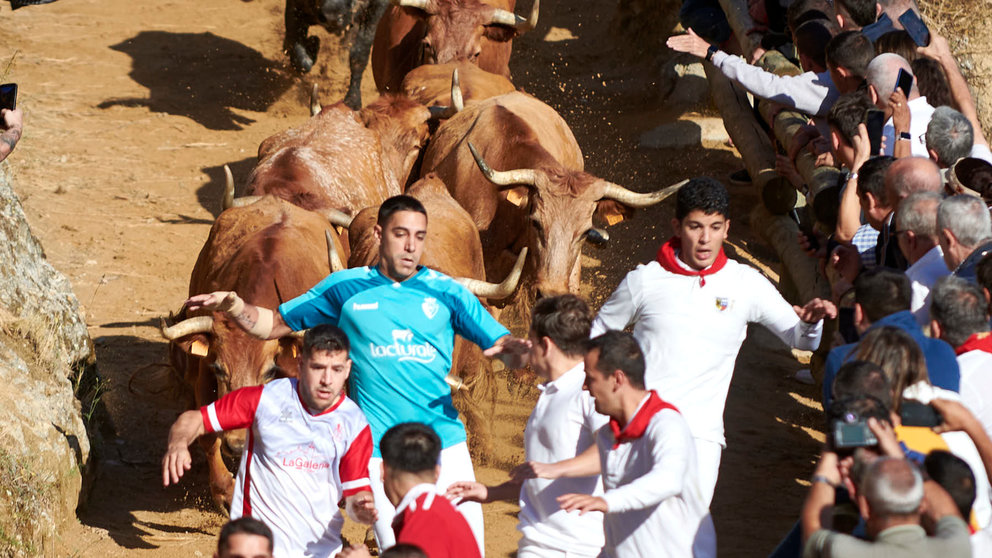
(132, 109)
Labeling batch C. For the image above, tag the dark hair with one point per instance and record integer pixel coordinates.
(848, 112)
(871, 177)
(859, 377)
(705, 194)
(983, 272)
(898, 355)
(932, 81)
(898, 42)
(565, 319)
(862, 12)
(801, 11)
(882, 292)
(852, 51)
(403, 550)
(618, 350)
(953, 475)
(812, 38)
(398, 203)
(243, 526)
(325, 337)
(411, 447)
(858, 407)
(960, 307)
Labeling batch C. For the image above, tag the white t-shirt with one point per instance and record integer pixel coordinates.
(691, 333)
(562, 425)
(976, 385)
(655, 505)
(296, 466)
(920, 113)
(923, 275)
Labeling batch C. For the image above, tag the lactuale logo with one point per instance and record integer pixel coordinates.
(403, 348)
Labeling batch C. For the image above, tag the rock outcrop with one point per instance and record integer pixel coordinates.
(44, 351)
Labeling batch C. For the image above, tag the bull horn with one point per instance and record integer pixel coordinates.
(189, 326)
(333, 258)
(246, 200)
(497, 290)
(298, 334)
(315, 107)
(457, 101)
(440, 112)
(455, 382)
(419, 4)
(228, 201)
(503, 178)
(510, 19)
(635, 199)
(337, 217)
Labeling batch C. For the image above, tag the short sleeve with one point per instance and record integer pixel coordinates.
(234, 410)
(354, 467)
(471, 320)
(314, 307)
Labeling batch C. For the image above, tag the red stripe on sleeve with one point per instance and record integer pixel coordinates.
(234, 410)
(355, 462)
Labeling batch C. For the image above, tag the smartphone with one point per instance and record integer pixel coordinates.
(875, 121)
(806, 227)
(913, 25)
(905, 82)
(853, 435)
(8, 96)
(914, 413)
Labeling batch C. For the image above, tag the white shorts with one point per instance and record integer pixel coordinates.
(530, 549)
(708, 456)
(456, 465)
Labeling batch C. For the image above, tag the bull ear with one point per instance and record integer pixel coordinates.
(197, 344)
(519, 196)
(288, 357)
(499, 33)
(611, 212)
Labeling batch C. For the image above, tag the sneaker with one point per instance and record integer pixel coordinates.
(740, 177)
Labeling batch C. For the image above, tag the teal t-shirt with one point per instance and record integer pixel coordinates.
(402, 336)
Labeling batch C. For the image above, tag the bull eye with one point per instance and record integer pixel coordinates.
(537, 225)
(426, 52)
(597, 237)
(218, 371)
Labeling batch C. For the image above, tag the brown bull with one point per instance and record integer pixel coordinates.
(453, 248)
(544, 200)
(341, 159)
(416, 32)
(429, 84)
(268, 252)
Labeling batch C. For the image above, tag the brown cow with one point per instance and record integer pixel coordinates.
(552, 207)
(429, 84)
(268, 252)
(453, 248)
(415, 32)
(342, 159)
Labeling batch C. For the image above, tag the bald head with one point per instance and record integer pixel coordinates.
(909, 175)
(883, 75)
(893, 487)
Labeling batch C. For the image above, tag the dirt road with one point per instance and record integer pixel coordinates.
(133, 108)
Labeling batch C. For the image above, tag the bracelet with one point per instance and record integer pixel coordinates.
(853, 176)
(905, 136)
(710, 52)
(821, 478)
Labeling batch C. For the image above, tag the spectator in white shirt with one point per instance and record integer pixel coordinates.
(653, 503)
(562, 426)
(916, 232)
(882, 77)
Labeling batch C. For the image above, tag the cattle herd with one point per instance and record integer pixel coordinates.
(499, 171)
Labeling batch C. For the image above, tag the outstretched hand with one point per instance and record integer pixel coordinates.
(219, 301)
(361, 508)
(816, 310)
(175, 463)
(514, 352)
(689, 42)
(468, 491)
(582, 503)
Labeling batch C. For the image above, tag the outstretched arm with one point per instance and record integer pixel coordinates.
(257, 321)
(586, 464)
(177, 460)
(12, 126)
(939, 50)
(361, 508)
(472, 491)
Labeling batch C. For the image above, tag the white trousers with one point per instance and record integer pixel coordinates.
(526, 549)
(456, 465)
(708, 456)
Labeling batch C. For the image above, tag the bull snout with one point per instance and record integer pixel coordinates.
(234, 442)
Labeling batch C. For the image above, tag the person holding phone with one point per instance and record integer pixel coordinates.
(11, 125)
(883, 77)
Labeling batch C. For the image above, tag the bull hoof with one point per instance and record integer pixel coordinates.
(302, 55)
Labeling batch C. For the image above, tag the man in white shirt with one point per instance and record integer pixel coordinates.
(562, 425)
(690, 309)
(653, 503)
(916, 232)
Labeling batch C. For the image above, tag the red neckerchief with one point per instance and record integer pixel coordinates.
(668, 260)
(977, 342)
(637, 425)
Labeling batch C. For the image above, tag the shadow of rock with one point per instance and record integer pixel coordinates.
(201, 76)
(211, 194)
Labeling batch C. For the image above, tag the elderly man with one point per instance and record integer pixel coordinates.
(882, 78)
(916, 232)
(950, 136)
(960, 317)
(965, 231)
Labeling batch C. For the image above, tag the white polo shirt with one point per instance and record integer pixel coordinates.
(976, 385)
(562, 425)
(655, 505)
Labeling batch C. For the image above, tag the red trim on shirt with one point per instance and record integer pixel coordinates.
(246, 489)
(637, 425)
(434, 525)
(977, 342)
(668, 260)
(355, 462)
(307, 409)
(234, 410)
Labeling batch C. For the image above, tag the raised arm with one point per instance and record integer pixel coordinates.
(586, 464)
(257, 321)
(939, 50)
(849, 212)
(176, 461)
(822, 494)
(11, 126)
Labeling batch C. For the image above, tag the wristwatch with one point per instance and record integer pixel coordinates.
(821, 478)
(710, 52)
(905, 136)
